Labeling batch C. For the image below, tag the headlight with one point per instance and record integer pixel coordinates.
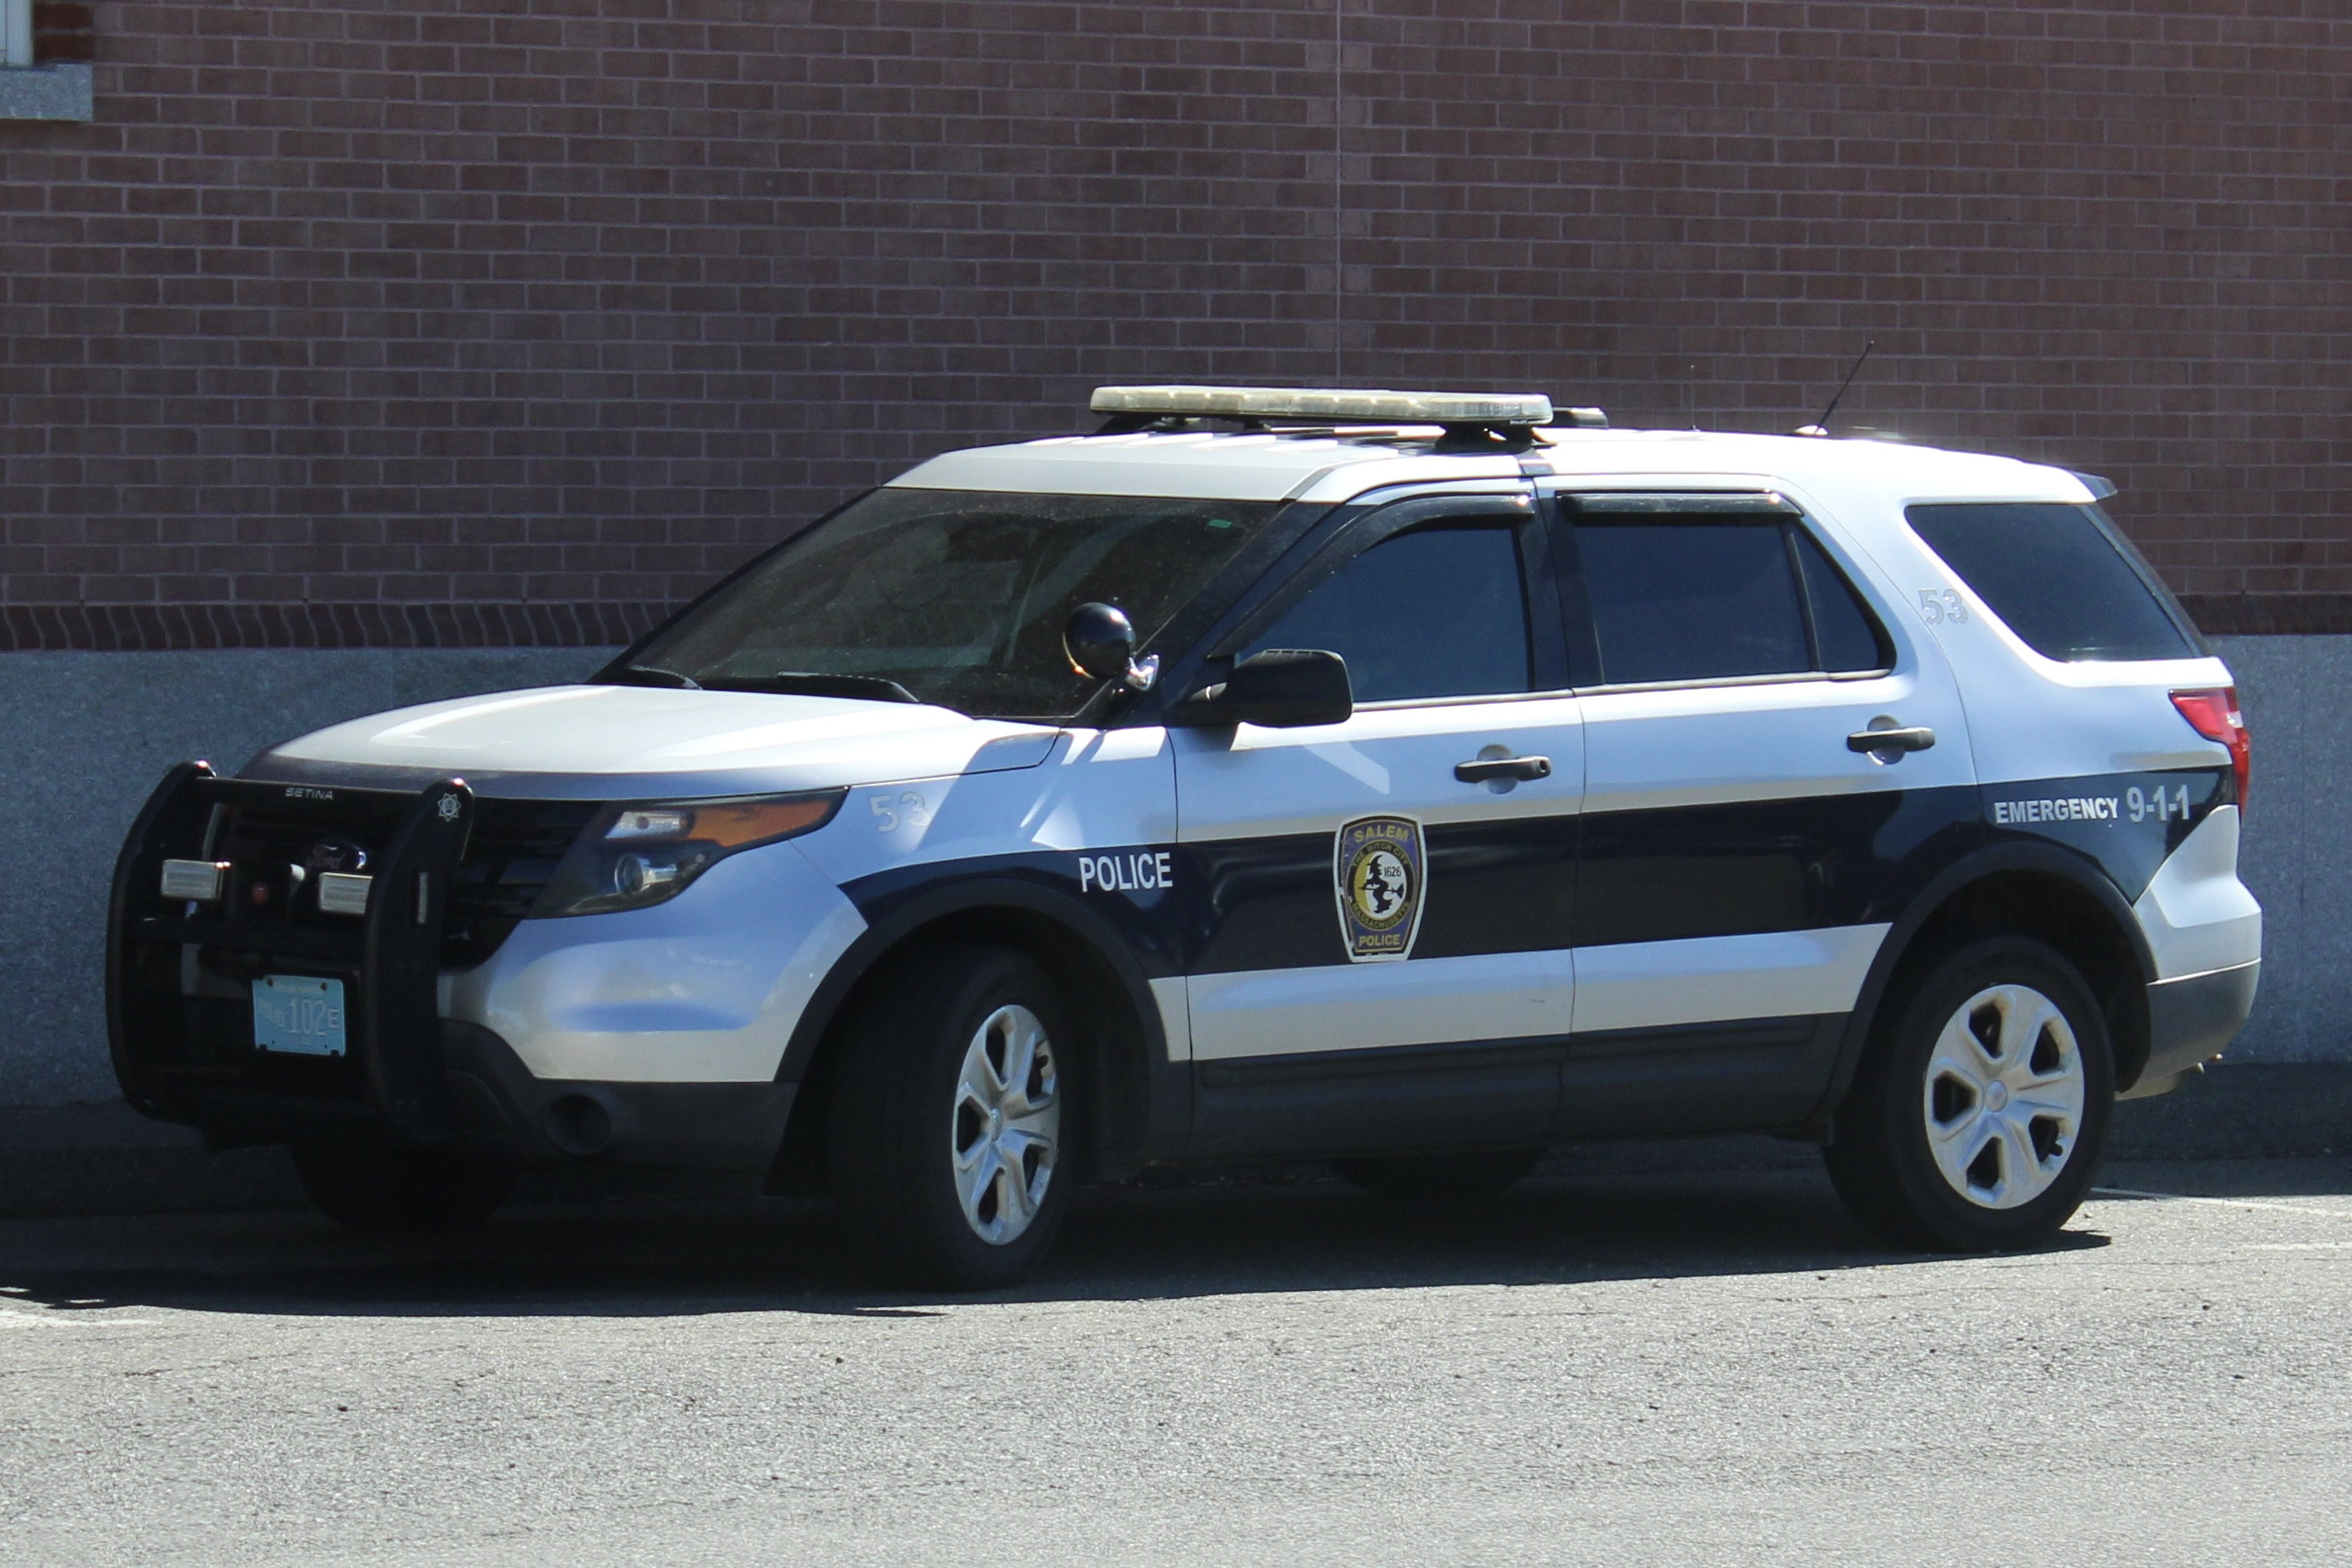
(634, 855)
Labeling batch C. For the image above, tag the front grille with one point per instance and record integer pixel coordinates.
(511, 852)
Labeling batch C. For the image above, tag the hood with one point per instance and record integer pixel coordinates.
(641, 743)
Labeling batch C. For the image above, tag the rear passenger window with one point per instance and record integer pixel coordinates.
(1846, 636)
(1436, 613)
(1706, 598)
(2061, 577)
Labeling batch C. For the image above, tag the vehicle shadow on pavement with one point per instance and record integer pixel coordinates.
(1136, 1243)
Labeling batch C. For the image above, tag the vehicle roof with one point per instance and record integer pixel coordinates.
(1275, 466)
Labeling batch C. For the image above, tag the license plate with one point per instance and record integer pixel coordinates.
(296, 1014)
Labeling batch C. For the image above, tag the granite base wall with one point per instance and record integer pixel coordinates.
(83, 739)
(84, 736)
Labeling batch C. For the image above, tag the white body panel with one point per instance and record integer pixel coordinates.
(703, 989)
(2197, 915)
(1774, 740)
(643, 743)
(2037, 718)
(1354, 1007)
(1098, 789)
(1207, 467)
(708, 987)
(1715, 980)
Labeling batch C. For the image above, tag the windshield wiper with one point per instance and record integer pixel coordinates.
(645, 676)
(809, 683)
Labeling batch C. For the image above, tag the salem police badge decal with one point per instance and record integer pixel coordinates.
(1380, 871)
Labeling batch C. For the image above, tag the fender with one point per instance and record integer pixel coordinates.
(2045, 858)
(1151, 1120)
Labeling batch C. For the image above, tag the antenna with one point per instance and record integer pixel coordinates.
(1821, 426)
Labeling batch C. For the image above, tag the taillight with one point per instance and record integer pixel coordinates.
(2213, 714)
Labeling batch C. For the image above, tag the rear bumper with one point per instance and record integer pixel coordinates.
(2192, 1018)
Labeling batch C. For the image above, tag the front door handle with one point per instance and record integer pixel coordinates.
(1896, 738)
(1522, 768)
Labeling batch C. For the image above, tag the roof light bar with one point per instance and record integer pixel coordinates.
(1304, 402)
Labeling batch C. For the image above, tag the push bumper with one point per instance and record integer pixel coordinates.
(179, 969)
(180, 1014)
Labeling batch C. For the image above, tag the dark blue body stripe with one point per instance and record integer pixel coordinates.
(1147, 921)
(2130, 844)
(1596, 879)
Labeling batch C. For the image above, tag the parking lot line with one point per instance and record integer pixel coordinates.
(2224, 1202)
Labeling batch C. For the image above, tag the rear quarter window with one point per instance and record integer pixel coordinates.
(2062, 577)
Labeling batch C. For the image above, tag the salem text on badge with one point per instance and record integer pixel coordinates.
(1382, 874)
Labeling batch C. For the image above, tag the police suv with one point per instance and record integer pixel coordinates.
(1402, 781)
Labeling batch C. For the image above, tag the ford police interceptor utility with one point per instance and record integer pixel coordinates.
(1400, 780)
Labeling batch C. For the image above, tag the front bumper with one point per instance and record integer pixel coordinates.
(566, 1122)
(497, 1108)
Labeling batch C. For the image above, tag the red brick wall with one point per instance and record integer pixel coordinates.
(401, 320)
(62, 30)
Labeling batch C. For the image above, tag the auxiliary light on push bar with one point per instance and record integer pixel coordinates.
(199, 881)
(202, 882)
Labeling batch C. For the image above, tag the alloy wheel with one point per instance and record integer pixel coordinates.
(1007, 1124)
(2003, 1096)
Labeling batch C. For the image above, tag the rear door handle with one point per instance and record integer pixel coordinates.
(1902, 737)
(1520, 767)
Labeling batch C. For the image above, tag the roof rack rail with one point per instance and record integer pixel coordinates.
(1472, 421)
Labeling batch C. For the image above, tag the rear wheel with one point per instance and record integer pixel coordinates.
(1978, 1122)
(1470, 1176)
(392, 1189)
(950, 1115)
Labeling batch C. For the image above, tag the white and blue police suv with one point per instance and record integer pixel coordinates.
(1400, 780)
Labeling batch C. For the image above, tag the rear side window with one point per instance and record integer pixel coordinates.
(1848, 638)
(1436, 613)
(1706, 598)
(2061, 577)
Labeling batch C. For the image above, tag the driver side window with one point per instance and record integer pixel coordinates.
(1439, 612)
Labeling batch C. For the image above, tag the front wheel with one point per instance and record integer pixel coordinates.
(1978, 1121)
(949, 1119)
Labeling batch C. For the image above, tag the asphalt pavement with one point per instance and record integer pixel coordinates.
(1602, 1367)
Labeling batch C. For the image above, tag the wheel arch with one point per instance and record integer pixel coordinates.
(1133, 1108)
(2026, 888)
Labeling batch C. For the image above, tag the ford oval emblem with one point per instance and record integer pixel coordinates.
(334, 854)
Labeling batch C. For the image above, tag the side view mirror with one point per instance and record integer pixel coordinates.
(1100, 640)
(1281, 688)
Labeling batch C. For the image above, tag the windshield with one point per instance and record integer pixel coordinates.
(954, 597)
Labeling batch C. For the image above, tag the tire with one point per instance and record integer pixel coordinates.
(1979, 1118)
(1470, 1176)
(953, 1117)
(390, 1189)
